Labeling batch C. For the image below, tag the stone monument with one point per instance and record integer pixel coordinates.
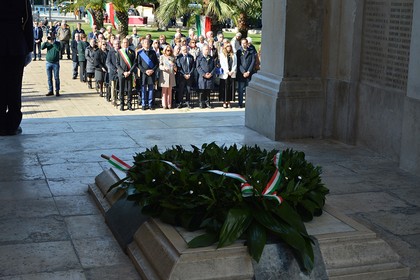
(344, 70)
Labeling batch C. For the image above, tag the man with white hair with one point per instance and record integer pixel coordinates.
(63, 35)
(236, 42)
(250, 45)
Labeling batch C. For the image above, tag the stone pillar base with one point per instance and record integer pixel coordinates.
(285, 108)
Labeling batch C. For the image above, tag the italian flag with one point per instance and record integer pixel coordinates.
(117, 163)
(91, 19)
(202, 24)
(111, 14)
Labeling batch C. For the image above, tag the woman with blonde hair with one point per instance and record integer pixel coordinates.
(228, 63)
(167, 67)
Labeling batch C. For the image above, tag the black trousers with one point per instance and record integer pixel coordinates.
(82, 71)
(183, 89)
(126, 86)
(65, 46)
(10, 94)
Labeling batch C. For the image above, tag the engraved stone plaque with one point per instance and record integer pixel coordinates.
(386, 42)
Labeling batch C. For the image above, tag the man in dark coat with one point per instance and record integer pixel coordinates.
(246, 62)
(111, 64)
(37, 40)
(186, 65)
(206, 68)
(15, 52)
(75, 55)
(126, 66)
(147, 63)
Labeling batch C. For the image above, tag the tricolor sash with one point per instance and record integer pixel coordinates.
(146, 59)
(126, 59)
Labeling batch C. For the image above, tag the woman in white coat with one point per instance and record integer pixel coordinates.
(167, 68)
(228, 63)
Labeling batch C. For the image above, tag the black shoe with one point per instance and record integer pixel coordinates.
(121, 108)
(11, 132)
(57, 93)
(74, 77)
(152, 108)
(39, 59)
(241, 106)
(143, 108)
(130, 108)
(50, 93)
(34, 59)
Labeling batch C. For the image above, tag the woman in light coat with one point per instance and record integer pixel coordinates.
(228, 63)
(167, 67)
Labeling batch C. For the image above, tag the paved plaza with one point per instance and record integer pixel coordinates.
(51, 228)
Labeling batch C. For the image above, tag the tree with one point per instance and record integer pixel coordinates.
(95, 7)
(121, 11)
(244, 10)
(218, 10)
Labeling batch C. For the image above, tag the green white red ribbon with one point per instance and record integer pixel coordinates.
(246, 188)
(117, 163)
(273, 185)
(269, 192)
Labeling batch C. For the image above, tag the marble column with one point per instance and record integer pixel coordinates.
(410, 144)
(285, 99)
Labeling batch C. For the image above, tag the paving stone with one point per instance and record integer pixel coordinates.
(86, 156)
(22, 173)
(98, 125)
(47, 128)
(411, 195)
(25, 230)
(327, 223)
(59, 275)
(117, 272)
(41, 207)
(10, 159)
(69, 186)
(399, 222)
(76, 205)
(21, 259)
(76, 141)
(89, 226)
(72, 170)
(98, 252)
(365, 202)
(23, 190)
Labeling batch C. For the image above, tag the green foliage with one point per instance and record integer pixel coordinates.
(177, 187)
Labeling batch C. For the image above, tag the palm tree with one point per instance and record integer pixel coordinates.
(121, 8)
(218, 10)
(245, 9)
(95, 7)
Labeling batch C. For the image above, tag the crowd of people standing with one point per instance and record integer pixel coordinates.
(124, 68)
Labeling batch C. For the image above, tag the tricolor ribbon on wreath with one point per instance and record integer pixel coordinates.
(269, 192)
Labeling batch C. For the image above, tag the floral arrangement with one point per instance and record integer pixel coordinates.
(232, 193)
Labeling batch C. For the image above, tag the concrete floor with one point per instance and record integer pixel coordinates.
(51, 228)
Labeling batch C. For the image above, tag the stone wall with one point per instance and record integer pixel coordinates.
(342, 69)
(369, 74)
